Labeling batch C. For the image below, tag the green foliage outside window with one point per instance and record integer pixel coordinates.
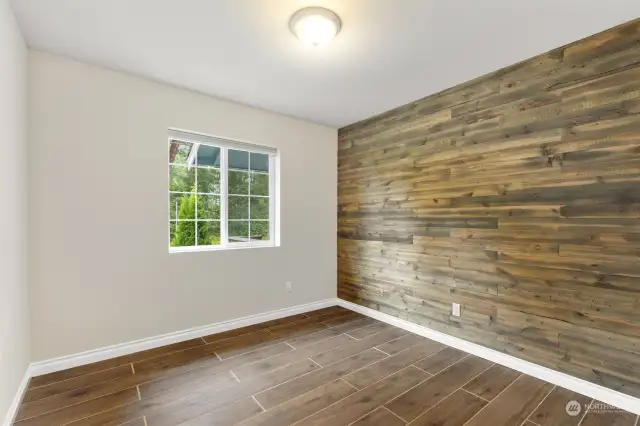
(192, 186)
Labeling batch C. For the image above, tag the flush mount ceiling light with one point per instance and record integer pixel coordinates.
(316, 26)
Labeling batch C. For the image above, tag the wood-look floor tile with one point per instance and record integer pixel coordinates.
(85, 409)
(369, 331)
(312, 324)
(441, 360)
(312, 338)
(76, 396)
(174, 359)
(380, 417)
(338, 318)
(242, 344)
(418, 400)
(250, 370)
(357, 346)
(493, 381)
(228, 415)
(514, 405)
(78, 382)
(300, 385)
(303, 406)
(175, 407)
(455, 410)
(329, 310)
(175, 378)
(354, 325)
(193, 383)
(366, 400)
(233, 333)
(284, 321)
(59, 376)
(209, 402)
(152, 381)
(404, 342)
(610, 418)
(553, 411)
(381, 369)
(252, 328)
(137, 422)
(299, 368)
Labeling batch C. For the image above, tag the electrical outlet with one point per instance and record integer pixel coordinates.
(288, 285)
(455, 309)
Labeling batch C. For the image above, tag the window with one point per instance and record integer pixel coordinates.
(221, 193)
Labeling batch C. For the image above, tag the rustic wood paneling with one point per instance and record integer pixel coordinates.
(516, 195)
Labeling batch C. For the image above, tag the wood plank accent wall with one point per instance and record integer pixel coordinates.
(516, 195)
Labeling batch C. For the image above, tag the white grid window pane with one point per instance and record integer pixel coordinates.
(219, 195)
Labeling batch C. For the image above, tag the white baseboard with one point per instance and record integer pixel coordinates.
(17, 399)
(62, 363)
(566, 381)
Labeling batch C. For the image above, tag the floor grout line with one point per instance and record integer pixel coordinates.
(258, 402)
(294, 378)
(342, 399)
(205, 342)
(310, 359)
(342, 378)
(392, 399)
(234, 375)
(471, 393)
(142, 359)
(380, 350)
(385, 408)
(442, 369)
(538, 406)
(430, 377)
(585, 412)
(205, 367)
(278, 341)
(456, 390)
(495, 398)
(413, 365)
(285, 402)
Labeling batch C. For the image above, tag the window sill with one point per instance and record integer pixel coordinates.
(220, 248)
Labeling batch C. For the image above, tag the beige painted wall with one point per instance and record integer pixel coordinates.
(14, 313)
(102, 273)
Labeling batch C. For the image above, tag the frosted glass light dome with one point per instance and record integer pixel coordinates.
(316, 26)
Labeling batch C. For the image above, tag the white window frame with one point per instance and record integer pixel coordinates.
(225, 144)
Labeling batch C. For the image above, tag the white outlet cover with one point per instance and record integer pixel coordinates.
(455, 309)
(288, 285)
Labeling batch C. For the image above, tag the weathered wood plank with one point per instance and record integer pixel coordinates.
(517, 195)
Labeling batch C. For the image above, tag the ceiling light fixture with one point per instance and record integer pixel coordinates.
(316, 26)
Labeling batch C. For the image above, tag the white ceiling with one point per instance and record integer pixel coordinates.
(389, 52)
